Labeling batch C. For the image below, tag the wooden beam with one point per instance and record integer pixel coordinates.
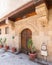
(2, 23)
(18, 10)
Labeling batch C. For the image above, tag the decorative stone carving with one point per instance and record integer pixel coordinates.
(8, 22)
(43, 21)
(42, 13)
(41, 10)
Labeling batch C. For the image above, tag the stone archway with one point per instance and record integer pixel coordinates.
(25, 35)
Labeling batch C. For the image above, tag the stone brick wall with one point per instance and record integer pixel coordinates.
(40, 25)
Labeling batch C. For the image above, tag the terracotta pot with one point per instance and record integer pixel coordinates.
(6, 47)
(13, 49)
(1, 46)
(32, 56)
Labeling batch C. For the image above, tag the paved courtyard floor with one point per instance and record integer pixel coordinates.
(8, 58)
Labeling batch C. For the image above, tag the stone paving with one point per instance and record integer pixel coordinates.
(8, 58)
(11, 59)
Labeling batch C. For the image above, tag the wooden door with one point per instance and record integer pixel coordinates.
(25, 35)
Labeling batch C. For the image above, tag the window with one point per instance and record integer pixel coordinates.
(0, 31)
(6, 30)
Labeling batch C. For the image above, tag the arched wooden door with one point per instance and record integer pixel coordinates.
(25, 35)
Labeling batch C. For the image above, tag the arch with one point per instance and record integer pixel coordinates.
(25, 35)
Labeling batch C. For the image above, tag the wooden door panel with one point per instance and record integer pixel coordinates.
(23, 43)
(25, 35)
(23, 40)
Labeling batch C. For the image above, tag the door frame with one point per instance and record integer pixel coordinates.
(21, 35)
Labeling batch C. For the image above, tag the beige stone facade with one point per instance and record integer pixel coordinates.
(40, 25)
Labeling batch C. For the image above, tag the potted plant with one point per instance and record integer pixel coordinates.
(13, 48)
(1, 45)
(31, 49)
(6, 46)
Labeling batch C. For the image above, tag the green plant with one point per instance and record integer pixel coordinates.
(0, 40)
(13, 40)
(13, 37)
(5, 40)
(30, 46)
